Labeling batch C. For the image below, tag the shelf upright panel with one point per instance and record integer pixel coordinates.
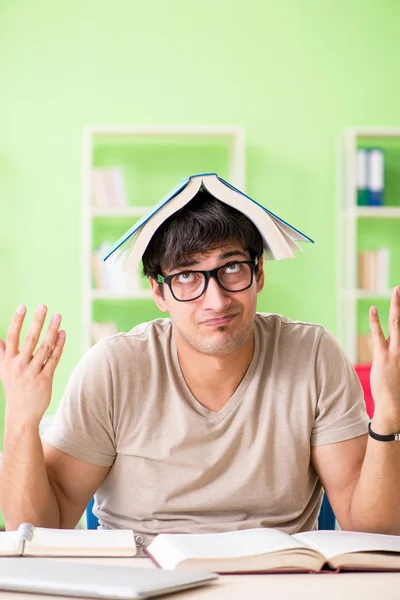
(233, 136)
(86, 281)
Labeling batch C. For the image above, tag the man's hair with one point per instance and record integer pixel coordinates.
(202, 225)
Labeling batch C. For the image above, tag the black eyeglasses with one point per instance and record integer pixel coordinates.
(187, 285)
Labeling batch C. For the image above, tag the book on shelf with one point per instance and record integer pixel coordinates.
(108, 188)
(111, 276)
(365, 349)
(375, 177)
(374, 270)
(370, 177)
(28, 540)
(361, 176)
(279, 237)
(272, 550)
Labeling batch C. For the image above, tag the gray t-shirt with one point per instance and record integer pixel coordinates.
(177, 466)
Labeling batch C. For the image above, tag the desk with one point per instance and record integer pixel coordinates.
(343, 586)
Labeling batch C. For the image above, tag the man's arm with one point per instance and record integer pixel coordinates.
(361, 475)
(42, 485)
(362, 483)
(74, 482)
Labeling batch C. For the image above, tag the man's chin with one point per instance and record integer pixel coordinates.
(218, 345)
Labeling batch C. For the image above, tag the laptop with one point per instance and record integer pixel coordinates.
(60, 577)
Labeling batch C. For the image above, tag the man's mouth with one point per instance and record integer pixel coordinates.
(219, 321)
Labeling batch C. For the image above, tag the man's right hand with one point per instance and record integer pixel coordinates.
(27, 372)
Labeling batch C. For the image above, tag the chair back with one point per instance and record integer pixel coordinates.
(92, 521)
(326, 519)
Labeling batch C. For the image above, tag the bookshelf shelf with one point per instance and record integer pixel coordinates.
(374, 212)
(367, 294)
(127, 164)
(367, 238)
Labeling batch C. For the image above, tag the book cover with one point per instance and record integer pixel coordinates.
(375, 177)
(280, 238)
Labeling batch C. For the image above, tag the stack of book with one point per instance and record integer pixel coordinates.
(108, 188)
(370, 177)
(374, 270)
(364, 348)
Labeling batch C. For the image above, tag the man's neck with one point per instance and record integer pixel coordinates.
(214, 379)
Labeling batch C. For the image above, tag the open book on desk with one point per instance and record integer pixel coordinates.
(271, 550)
(28, 540)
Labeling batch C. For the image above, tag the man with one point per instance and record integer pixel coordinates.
(216, 419)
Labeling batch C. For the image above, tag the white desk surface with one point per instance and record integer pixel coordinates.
(342, 586)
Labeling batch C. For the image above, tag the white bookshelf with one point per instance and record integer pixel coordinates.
(349, 214)
(232, 137)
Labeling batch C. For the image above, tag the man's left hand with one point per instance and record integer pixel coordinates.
(385, 371)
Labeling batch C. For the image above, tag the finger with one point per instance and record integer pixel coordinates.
(378, 338)
(47, 345)
(2, 351)
(55, 355)
(32, 337)
(14, 332)
(394, 318)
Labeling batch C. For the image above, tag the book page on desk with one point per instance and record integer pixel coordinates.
(10, 544)
(251, 550)
(81, 542)
(352, 549)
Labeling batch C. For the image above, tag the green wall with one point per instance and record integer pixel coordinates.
(293, 73)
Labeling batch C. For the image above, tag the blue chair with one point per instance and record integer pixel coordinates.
(326, 519)
(92, 521)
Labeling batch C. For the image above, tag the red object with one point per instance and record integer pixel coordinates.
(363, 372)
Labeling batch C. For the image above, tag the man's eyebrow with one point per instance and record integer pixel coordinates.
(233, 253)
(223, 256)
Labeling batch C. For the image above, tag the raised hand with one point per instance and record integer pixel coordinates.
(385, 371)
(27, 372)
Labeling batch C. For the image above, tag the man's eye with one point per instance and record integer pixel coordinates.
(233, 268)
(188, 277)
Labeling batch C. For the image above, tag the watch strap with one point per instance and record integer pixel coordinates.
(393, 437)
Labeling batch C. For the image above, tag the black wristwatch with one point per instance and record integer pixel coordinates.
(393, 437)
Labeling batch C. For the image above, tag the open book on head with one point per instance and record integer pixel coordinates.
(280, 239)
(28, 540)
(271, 550)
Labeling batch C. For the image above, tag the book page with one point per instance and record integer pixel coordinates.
(167, 209)
(81, 542)
(248, 542)
(252, 550)
(272, 235)
(334, 543)
(10, 544)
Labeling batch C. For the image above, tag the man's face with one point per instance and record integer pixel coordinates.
(219, 322)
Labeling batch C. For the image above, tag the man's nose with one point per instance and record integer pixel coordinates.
(215, 297)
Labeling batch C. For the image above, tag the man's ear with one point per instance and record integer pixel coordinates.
(157, 295)
(259, 274)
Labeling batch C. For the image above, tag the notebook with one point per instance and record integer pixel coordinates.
(61, 577)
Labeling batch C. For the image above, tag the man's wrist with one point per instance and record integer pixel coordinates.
(395, 437)
(385, 424)
(16, 425)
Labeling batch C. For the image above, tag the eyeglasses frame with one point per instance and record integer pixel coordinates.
(210, 274)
